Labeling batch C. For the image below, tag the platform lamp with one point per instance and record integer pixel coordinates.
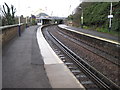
(27, 18)
(31, 18)
(110, 17)
(26, 21)
(19, 29)
(81, 17)
(1, 15)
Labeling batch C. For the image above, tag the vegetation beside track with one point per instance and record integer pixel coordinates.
(95, 17)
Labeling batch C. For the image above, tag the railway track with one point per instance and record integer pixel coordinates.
(97, 50)
(91, 48)
(99, 79)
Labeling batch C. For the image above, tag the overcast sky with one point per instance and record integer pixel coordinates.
(51, 7)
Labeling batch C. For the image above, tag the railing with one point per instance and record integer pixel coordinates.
(10, 31)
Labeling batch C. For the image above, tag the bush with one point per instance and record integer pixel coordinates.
(96, 15)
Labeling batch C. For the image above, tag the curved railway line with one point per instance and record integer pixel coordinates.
(91, 48)
(91, 72)
(109, 49)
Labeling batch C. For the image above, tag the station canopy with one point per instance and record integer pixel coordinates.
(45, 16)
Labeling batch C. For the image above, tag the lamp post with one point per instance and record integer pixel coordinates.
(26, 21)
(19, 29)
(110, 16)
(0, 15)
(27, 17)
(81, 17)
(31, 19)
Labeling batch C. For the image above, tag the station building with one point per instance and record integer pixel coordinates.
(43, 18)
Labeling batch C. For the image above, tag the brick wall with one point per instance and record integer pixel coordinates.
(9, 32)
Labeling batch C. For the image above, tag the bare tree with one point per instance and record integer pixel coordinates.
(9, 14)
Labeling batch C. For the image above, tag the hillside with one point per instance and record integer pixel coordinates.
(96, 15)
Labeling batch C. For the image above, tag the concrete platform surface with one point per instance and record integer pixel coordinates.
(48, 54)
(23, 65)
(58, 73)
(61, 77)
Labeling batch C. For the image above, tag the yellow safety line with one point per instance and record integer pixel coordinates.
(104, 39)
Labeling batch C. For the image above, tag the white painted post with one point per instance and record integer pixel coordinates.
(110, 22)
(82, 18)
(19, 29)
(26, 21)
(31, 19)
(41, 21)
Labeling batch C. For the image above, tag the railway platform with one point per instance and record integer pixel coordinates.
(29, 62)
(94, 34)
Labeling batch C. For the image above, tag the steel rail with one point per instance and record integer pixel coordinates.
(116, 61)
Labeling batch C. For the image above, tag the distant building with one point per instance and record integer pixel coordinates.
(42, 19)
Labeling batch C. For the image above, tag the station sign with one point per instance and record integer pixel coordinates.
(110, 16)
(81, 17)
